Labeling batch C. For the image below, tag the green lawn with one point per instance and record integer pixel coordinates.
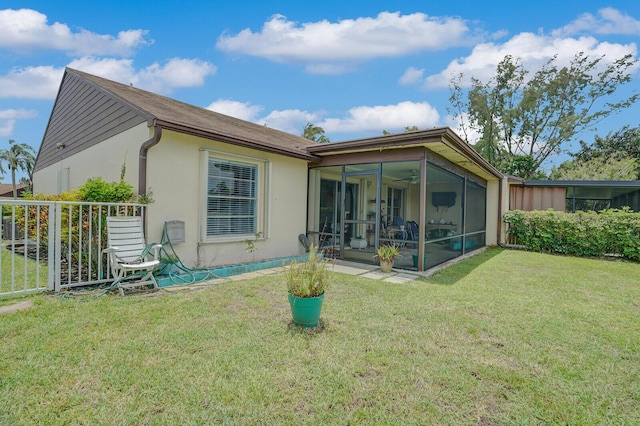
(18, 272)
(505, 337)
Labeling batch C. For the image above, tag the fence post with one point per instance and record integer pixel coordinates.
(56, 266)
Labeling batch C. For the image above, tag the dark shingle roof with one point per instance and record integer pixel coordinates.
(182, 117)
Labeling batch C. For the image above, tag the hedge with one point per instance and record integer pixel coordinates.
(591, 234)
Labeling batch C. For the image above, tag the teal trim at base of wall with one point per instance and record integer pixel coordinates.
(200, 275)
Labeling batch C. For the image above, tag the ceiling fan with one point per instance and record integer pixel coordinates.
(412, 179)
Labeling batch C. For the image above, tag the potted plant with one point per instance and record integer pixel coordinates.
(306, 283)
(386, 254)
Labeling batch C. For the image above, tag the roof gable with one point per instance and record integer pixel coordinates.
(83, 115)
(90, 109)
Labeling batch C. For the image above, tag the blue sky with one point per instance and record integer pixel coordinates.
(354, 68)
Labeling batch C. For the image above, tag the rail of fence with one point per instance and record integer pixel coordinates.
(54, 245)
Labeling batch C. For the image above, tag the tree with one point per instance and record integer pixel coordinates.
(599, 168)
(19, 156)
(407, 129)
(624, 143)
(614, 157)
(525, 120)
(314, 133)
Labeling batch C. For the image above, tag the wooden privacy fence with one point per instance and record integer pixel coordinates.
(54, 245)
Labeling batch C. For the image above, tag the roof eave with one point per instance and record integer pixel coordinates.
(222, 137)
(404, 140)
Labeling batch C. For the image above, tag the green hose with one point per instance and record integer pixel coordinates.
(168, 258)
(184, 275)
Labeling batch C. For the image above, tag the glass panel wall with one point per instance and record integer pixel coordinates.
(361, 220)
(360, 207)
(401, 184)
(445, 218)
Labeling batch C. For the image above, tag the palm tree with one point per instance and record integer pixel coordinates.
(19, 156)
(314, 133)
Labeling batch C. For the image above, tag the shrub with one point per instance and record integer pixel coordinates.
(589, 233)
(84, 229)
(97, 190)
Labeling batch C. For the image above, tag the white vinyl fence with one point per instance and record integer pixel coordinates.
(54, 245)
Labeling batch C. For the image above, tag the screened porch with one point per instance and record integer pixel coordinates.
(429, 207)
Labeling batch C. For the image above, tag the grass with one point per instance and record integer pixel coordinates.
(27, 273)
(505, 337)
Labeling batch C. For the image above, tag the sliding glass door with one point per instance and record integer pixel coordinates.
(362, 211)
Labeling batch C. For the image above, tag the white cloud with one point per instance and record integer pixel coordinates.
(43, 82)
(383, 117)
(242, 110)
(31, 83)
(24, 30)
(359, 119)
(8, 119)
(290, 120)
(533, 49)
(175, 73)
(120, 70)
(331, 47)
(608, 21)
(412, 75)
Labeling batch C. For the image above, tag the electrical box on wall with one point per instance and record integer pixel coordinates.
(175, 231)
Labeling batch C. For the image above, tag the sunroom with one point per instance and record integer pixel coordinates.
(427, 192)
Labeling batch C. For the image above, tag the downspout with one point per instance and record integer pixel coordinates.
(142, 163)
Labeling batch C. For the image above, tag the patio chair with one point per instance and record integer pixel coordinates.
(131, 261)
(412, 227)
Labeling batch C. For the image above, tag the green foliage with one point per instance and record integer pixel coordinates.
(251, 243)
(81, 241)
(407, 129)
(536, 116)
(314, 133)
(309, 278)
(97, 190)
(145, 198)
(388, 252)
(624, 143)
(591, 234)
(19, 156)
(521, 165)
(614, 157)
(598, 168)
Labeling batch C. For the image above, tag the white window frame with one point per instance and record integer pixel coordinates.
(263, 174)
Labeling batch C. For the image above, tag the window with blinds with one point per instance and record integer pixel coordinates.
(231, 198)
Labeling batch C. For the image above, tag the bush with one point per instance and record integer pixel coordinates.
(608, 232)
(97, 190)
(84, 229)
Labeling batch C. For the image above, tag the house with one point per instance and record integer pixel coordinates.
(572, 195)
(228, 180)
(6, 189)
(225, 178)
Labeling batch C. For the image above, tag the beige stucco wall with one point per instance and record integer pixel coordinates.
(493, 211)
(176, 173)
(102, 160)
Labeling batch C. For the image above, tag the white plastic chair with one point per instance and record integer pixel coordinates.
(130, 260)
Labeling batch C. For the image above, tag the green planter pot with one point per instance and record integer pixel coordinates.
(306, 310)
